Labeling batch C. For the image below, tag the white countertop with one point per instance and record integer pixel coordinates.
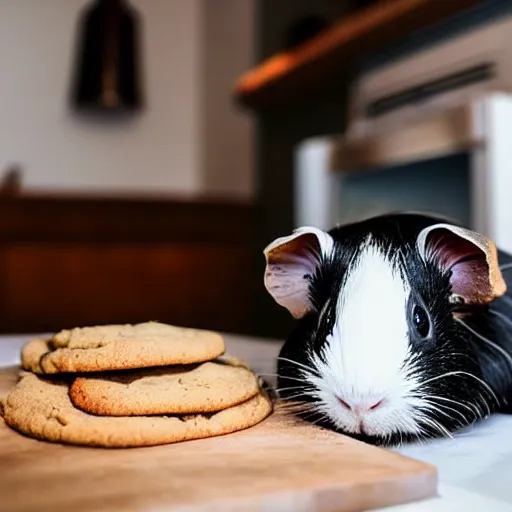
(475, 468)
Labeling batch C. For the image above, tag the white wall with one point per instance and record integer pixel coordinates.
(227, 35)
(172, 145)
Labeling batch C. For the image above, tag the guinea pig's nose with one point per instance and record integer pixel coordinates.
(361, 407)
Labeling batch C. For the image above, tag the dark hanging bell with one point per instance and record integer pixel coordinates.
(107, 68)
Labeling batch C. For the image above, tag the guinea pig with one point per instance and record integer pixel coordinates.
(403, 327)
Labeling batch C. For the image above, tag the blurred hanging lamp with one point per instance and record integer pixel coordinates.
(107, 70)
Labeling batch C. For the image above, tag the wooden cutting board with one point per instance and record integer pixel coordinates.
(279, 465)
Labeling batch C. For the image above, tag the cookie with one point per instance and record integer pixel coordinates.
(40, 407)
(207, 387)
(31, 354)
(120, 347)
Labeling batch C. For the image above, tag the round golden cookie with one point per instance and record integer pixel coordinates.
(120, 347)
(203, 388)
(41, 408)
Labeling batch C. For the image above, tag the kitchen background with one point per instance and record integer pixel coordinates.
(118, 215)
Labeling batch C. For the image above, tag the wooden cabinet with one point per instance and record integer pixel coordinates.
(67, 262)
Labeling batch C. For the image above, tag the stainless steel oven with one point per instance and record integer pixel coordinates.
(429, 132)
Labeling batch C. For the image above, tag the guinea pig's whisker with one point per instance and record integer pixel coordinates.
(293, 402)
(460, 354)
(293, 397)
(433, 403)
(296, 412)
(424, 435)
(300, 365)
(294, 406)
(441, 398)
(506, 266)
(484, 402)
(322, 417)
(460, 373)
(488, 341)
(299, 409)
(281, 376)
(289, 388)
(309, 415)
(436, 425)
(298, 390)
(436, 398)
(422, 438)
(282, 404)
(314, 409)
(437, 407)
(409, 424)
(479, 409)
(427, 422)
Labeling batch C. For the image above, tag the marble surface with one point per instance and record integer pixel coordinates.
(475, 467)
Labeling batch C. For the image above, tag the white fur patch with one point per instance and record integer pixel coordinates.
(362, 360)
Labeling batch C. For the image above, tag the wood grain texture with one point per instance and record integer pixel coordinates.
(63, 286)
(294, 74)
(279, 465)
(115, 219)
(70, 261)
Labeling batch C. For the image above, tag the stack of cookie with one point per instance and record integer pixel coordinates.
(132, 385)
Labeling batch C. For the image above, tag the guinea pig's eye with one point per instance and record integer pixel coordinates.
(419, 321)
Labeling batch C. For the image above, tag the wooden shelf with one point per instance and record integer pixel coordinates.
(291, 75)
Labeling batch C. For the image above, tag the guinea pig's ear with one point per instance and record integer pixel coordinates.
(472, 258)
(291, 262)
